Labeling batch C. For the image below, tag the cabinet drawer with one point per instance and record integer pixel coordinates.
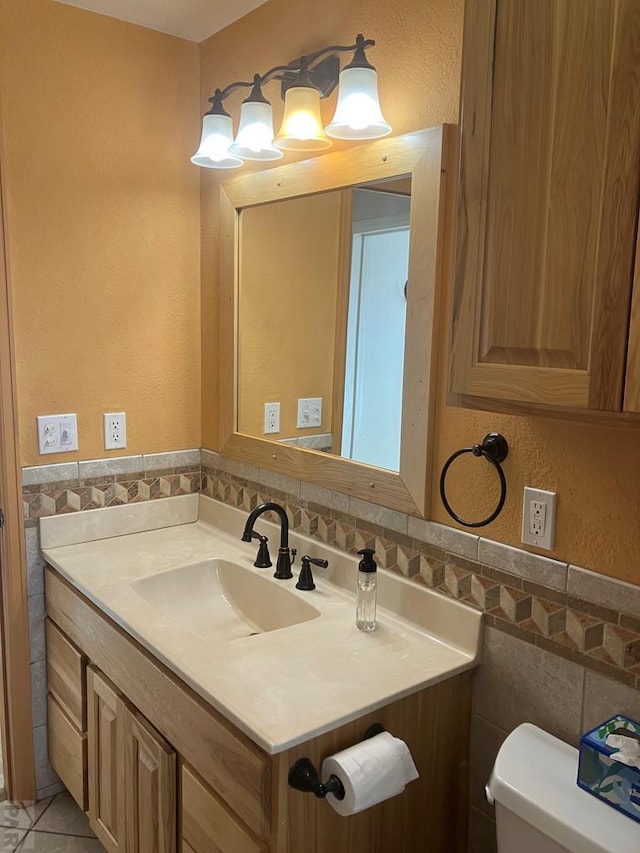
(68, 752)
(67, 675)
(208, 825)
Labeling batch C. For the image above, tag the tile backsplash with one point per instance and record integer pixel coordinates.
(562, 644)
(541, 601)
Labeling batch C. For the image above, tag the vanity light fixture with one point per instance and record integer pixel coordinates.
(304, 82)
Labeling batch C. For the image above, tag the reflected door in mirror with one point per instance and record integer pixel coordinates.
(374, 362)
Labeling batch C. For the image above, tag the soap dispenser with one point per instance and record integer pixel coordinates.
(366, 592)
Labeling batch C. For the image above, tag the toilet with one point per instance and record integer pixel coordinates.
(541, 809)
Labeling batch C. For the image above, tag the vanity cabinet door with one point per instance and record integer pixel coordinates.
(150, 788)
(547, 206)
(105, 720)
(208, 826)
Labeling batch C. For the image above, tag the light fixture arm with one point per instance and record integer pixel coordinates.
(281, 72)
(308, 61)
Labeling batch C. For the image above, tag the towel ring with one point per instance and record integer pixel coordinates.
(494, 449)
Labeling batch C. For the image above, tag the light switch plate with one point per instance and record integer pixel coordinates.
(309, 412)
(57, 433)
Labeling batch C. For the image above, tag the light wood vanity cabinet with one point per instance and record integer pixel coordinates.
(164, 772)
(548, 206)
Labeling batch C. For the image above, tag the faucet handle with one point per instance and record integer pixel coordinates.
(305, 578)
(263, 558)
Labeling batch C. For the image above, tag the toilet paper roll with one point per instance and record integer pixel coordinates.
(371, 771)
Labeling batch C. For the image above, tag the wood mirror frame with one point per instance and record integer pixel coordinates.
(424, 155)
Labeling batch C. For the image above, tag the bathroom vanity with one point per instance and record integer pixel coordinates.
(176, 729)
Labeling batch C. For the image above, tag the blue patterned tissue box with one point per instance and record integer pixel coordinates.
(612, 781)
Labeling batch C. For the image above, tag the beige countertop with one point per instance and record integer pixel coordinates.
(280, 687)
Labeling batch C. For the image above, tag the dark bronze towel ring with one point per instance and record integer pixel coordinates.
(494, 449)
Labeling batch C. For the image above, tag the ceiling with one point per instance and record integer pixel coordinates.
(194, 20)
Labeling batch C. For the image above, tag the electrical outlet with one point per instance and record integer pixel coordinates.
(115, 430)
(309, 412)
(539, 518)
(57, 433)
(271, 418)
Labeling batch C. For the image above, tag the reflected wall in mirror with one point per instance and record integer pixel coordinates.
(337, 336)
(330, 285)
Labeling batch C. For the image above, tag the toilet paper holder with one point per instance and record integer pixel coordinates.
(303, 775)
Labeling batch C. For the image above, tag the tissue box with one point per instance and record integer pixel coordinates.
(611, 781)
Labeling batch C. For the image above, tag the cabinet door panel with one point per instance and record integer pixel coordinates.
(632, 387)
(548, 200)
(105, 721)
(208, 826)
(150, 784)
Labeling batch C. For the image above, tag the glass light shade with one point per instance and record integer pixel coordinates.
(302, 124)
(217, 136)
(255, 134)
(358, 114)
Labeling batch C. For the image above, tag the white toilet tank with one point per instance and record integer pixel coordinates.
(539, 807)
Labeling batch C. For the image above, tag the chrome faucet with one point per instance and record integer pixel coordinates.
(284, 561)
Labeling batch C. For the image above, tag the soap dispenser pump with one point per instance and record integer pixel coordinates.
(366, 592)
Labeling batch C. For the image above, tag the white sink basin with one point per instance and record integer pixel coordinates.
(220, 599)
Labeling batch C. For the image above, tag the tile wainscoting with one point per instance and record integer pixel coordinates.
(562, 644)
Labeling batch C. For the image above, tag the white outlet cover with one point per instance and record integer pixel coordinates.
(547, 517)
(271, 418)
(57, 433)
(115, 430)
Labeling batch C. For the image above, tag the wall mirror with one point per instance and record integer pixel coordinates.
(330, 283)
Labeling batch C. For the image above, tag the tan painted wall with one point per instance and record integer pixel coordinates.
(595, 470)
(287, 332)
(102, 208)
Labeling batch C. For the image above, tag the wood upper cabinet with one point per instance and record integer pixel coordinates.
(548, 202)
(632, 387)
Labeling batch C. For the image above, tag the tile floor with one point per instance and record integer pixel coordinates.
(55, 825)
